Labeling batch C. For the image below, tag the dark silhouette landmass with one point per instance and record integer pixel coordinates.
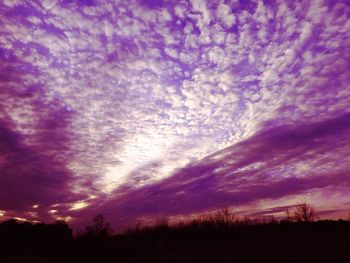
(218, 237)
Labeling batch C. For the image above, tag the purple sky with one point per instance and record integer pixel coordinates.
(155, 108)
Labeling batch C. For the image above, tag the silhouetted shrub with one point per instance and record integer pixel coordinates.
(27, 238)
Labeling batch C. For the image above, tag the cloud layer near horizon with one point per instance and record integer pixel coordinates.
(159, 108)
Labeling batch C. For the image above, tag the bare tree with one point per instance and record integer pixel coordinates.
(304, 213)
(100, 227)
(223, 216)
(288, 217)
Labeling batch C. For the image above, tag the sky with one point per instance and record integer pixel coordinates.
(148, 109)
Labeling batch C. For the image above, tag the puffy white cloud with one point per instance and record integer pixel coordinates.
(171, 52)
(224, 14)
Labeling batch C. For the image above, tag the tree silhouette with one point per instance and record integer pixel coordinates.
(304, 213)
(222, 216)
(100, 228)
(288, 217)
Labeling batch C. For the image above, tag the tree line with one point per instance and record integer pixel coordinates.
(97, 241)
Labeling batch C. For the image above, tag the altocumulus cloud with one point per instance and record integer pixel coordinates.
(148, 108)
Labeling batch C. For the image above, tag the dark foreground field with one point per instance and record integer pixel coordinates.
(197, 241)
(298, 248)
(302, 248)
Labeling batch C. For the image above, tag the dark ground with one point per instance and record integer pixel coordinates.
(325, 248)
(197, 241)
(287, 249)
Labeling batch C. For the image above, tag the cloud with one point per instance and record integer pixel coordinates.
(262, 167)
(223, 12)
(34, 147)
(131, 92)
